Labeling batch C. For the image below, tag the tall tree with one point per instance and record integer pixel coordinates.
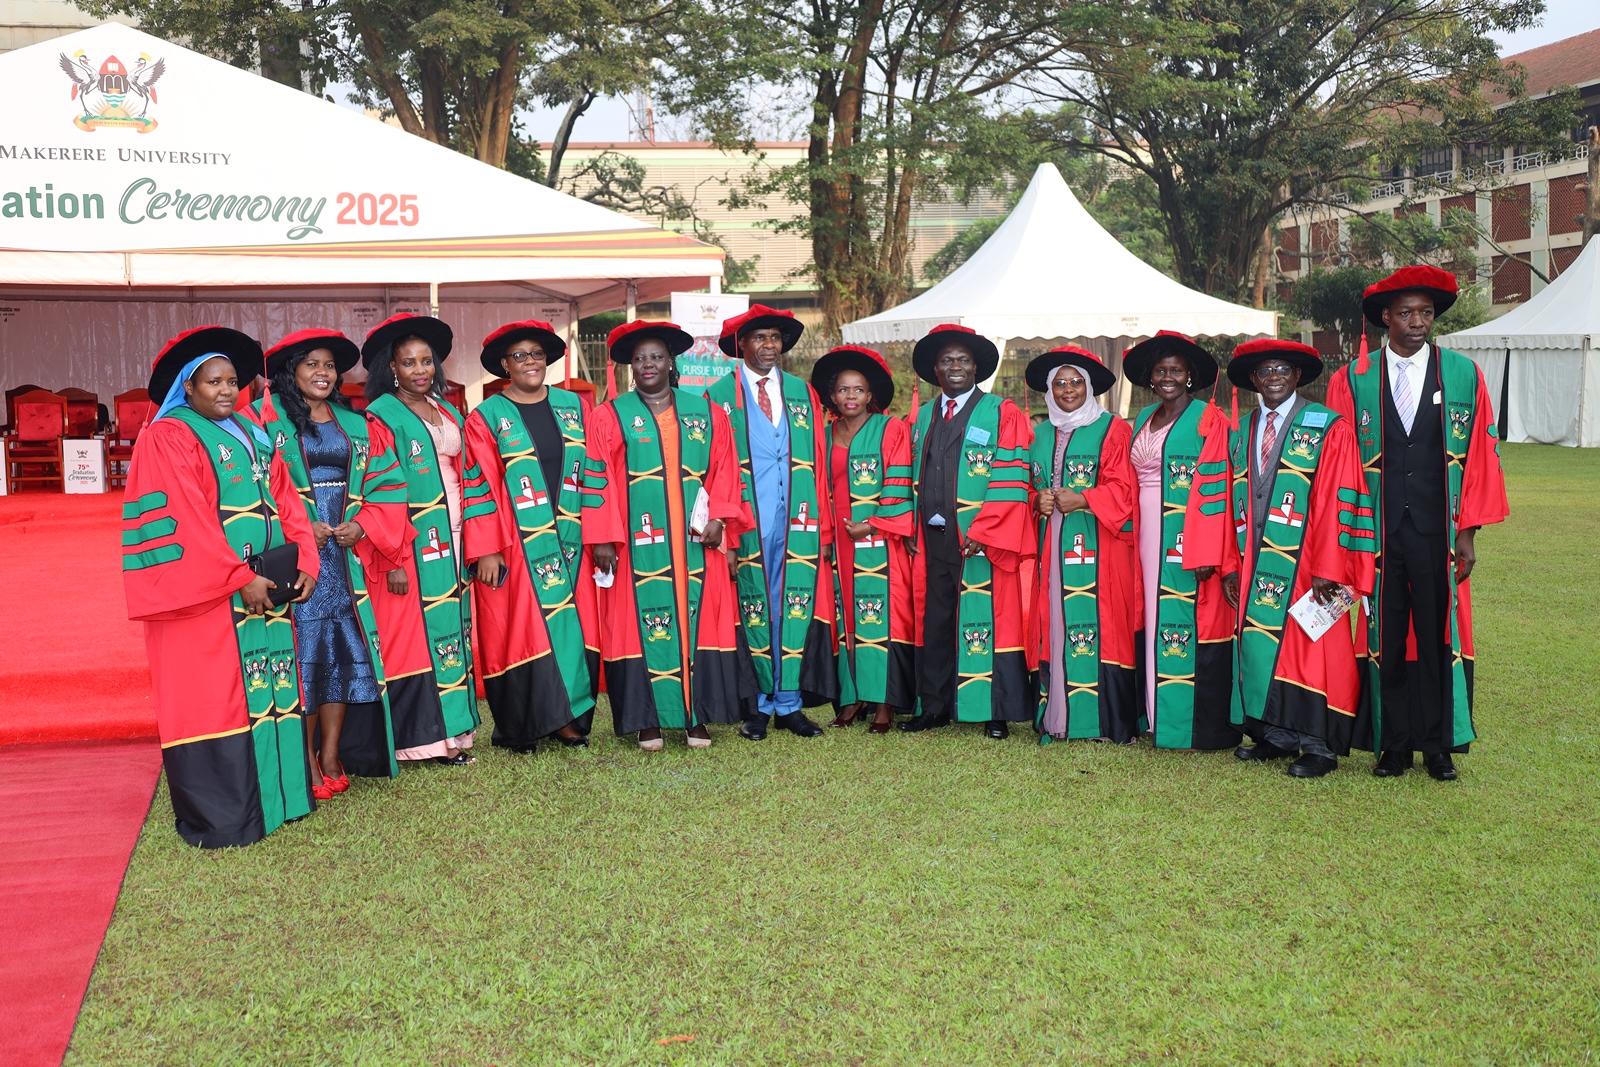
(1237, 110)
(454, 72)
(894, 93)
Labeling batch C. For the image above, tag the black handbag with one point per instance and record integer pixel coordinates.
(280, 566)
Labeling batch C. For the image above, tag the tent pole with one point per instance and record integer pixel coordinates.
(987, 385)
(433, 299)
(716, 285)
(632, 300)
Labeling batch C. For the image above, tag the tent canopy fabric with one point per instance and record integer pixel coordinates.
(1051, 271)
(1539, 362)
(136, 162)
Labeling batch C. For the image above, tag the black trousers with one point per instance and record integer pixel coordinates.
(938, 664)
(1416, 592)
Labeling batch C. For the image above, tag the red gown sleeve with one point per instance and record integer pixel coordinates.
(494, 531)
(895, 513)
(383, 516)
(1209, 537)
(1003, 524)
(1115, 497)
(292, 513)
(1328, 550)
(605, 477)
(176, 563)
(1483, 480)
(725, 482)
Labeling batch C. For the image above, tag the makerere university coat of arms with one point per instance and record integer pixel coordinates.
(113, 95)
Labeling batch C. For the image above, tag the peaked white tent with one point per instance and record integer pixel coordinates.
(137, 172)
(1051, 272)
(1552, 394)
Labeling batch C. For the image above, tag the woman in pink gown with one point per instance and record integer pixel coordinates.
(1185, 641)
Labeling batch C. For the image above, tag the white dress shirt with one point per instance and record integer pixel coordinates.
(1413, 367)
(961, 402)
(1277, 428)
(774, 388)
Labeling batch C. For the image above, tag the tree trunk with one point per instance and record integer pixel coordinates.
(386, 78)
(558, 144)
(1258, 294)
(435, 113)
(1591, 214)
(495, 123)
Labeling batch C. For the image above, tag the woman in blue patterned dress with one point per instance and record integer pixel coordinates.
(324, 444)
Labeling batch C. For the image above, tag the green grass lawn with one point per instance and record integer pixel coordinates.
(937, 899)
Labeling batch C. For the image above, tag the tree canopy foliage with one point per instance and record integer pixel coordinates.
(1238, 110)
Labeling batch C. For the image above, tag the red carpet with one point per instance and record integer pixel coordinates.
(69, 817)
(74, 666)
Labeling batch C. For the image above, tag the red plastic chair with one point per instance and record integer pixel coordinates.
(83, 412)
(130, 410)
(356, 393)
(456, 393)
(33, 448)
(11, 402)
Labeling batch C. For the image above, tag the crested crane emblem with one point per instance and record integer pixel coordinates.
(865, 471)
(799, 605)
(1181, 474)
(754, 610)
(1175, 641)
(694, 428)
(1270, 591)
(657, 624)
(112, 95)
(976, 639)
(1081, 640)
(1079, 475)
(1303, 443)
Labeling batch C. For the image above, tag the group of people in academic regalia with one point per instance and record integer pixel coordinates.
(772, 544)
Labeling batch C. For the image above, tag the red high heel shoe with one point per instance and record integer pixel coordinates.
(339, 784)
(322, 790)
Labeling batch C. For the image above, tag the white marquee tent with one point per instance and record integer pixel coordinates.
(1552, 395)
(145, 188)
(1052, 273)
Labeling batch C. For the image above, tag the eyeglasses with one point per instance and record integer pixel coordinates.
(519, 358)
(1272, 370)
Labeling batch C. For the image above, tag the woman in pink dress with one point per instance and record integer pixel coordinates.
(1185, 642)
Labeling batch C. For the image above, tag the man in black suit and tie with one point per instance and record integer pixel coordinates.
(1432, 463)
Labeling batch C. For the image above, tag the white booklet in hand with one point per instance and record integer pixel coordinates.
(1317, 619)
(701, 514)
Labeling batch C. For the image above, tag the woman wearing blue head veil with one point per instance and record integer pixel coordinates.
(202, 501)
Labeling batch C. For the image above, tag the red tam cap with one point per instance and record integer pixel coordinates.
(1439, 284)
(345, 352)
(1253, 353)
(496, 344)
(621, 341)
(759, 317)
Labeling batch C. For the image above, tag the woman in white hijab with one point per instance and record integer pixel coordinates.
(1084, 494)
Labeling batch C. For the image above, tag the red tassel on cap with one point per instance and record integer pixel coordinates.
(1362, 362)
(915, 403)
(1233, 409)
(611, 380)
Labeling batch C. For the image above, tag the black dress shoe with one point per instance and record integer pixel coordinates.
(797, 723)
(573, 742)
(754, 729)
(1309, 766)
(918, 723)
(1441, 768)
(1261, 750)
(524, 750)
(997, 729)
(1392, 764)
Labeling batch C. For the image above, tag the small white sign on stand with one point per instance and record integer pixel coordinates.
(83, 464)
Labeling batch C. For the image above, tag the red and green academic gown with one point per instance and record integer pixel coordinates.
(992, 671)
(366, 746)
(425, 633)
(538, 634)
(1476, 485)
(1194, 625)
(670, 639)
(806, 628)
(1320, 526)
(226, 686)
(873, 485)
(1094, 587)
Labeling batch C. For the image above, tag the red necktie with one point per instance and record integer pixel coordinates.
(762, 398)
(1269, 437)
(949, 408)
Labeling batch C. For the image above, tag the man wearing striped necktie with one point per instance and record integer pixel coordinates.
(1432, 465)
